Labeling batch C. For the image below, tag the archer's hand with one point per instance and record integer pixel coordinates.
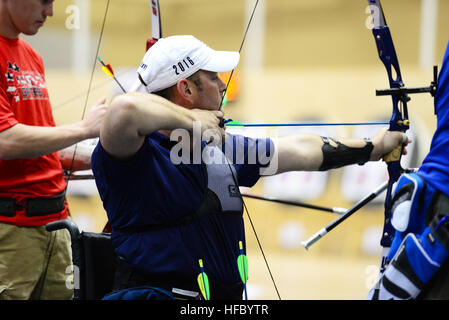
(92, 121)
(210, 125)
(385, 142)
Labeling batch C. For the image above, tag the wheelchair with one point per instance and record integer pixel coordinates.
(94, 261)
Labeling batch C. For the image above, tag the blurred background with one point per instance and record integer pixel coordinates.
(303, 60)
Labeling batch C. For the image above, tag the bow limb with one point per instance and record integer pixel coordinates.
(156, 25)
(156, 34)
(89, 87)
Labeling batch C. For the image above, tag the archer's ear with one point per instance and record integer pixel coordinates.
(184, 90)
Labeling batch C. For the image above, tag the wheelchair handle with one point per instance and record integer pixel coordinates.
(64, 224)
(76, 246)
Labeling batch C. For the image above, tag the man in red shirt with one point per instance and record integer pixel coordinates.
(34, 264)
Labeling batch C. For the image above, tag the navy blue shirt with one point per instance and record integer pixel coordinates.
(150, 190)
(435, 167)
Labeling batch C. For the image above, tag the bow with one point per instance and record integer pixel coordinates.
(156, 34)
(156, 26)
(399, 120)
(69, 172)
(156, 30)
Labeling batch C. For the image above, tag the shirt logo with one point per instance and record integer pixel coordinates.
(25, 85)
(233, 191)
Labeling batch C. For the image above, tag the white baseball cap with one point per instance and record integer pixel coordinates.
(178, 57)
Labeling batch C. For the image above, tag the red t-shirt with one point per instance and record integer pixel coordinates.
(24, 99)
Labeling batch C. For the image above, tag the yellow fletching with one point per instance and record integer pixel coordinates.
(106, 70)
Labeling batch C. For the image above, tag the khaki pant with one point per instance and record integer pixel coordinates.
(35, 263)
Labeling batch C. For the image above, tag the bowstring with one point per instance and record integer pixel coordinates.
(89, 88)
(254, 230)
(229, 165)
(240, 49)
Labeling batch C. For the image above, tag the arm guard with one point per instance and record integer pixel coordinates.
(342, 155)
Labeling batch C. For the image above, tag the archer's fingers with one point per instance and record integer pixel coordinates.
(405, 139)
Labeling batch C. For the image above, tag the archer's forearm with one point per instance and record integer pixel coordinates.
(299, 153)
(153, 113)
(305, 152)
(132, 116)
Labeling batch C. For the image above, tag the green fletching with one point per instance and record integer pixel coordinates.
(225, 101)
(203, 283)
(242, 263)
(234, 123)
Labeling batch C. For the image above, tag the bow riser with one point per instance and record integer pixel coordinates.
(387, 54)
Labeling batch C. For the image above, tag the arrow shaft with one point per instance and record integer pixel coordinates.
(343, 217)
(357, 206)
(112, 74)
(313, 124)
(121, 87)
(204, 284)
(246, 291)
(296, 203)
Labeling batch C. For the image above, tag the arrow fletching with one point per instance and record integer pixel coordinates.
(225, 101)
(242, 263)
(107, 71)
(234, 123)
(203, 282)
(106, 68)
(110, 68)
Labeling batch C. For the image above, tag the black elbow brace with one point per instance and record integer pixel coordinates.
(342, 155)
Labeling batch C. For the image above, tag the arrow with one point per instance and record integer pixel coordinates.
(203, 281)
(336, 210)
(321, 233)
(110, 72)
(242, 263)
(233, 123)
